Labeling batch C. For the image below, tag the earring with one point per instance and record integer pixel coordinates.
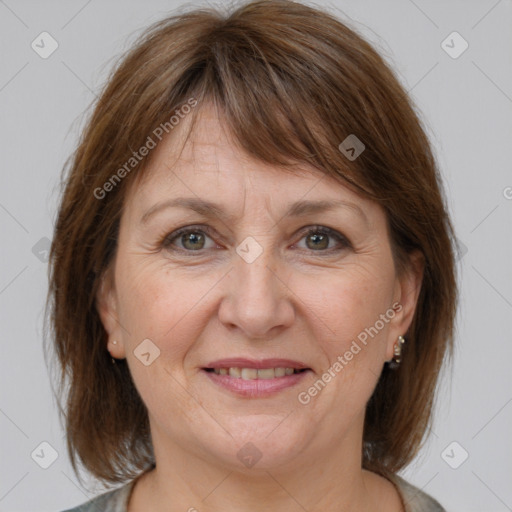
(397, 353)
(113, 360)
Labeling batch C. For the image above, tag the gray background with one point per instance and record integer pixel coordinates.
(467, 106)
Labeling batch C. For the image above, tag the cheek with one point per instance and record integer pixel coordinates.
(166, 310)
(351, 338)
(165, 307)
(349, 333)
(347, 303)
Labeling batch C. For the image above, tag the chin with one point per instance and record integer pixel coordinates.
(261, 442)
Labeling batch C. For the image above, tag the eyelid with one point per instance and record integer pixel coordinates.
(306, 230)
(170, 237)
(331, 232)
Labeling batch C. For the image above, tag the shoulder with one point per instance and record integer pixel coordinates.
(415, 500)
(111, 501)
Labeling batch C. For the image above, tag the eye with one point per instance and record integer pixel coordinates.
(319, 238)
(194, 239)
(191, 239)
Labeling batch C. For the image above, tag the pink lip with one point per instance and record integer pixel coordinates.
(257, 388)
(240, 362)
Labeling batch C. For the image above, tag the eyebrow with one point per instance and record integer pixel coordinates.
(206, 208)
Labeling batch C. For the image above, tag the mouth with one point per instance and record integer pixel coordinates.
(254, 373)
(256, 379)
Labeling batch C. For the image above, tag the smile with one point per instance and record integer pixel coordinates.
(255, 374)
(255, 383)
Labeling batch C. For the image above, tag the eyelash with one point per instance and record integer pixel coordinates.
(169, 239)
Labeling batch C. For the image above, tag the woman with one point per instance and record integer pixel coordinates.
(252, 283)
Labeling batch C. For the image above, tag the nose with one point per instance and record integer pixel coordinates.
(257, 301)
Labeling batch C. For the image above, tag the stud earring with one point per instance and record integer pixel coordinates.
(113, 360)
(397, 353)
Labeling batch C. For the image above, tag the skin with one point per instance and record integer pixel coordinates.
(295, 301)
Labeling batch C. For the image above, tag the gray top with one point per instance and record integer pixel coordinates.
(413, 498)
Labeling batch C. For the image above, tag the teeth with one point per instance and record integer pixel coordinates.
(280, 372)
(268, 373)
(253, 373)
(249, 373)
(235, 372)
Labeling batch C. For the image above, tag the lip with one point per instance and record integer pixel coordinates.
(257, 388)
(240, 362)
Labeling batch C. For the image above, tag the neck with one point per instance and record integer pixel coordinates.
(315, 480)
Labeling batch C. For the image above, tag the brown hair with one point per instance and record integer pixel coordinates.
(292, 83)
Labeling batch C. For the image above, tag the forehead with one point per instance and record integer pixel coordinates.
(210, 148)
(209, 164)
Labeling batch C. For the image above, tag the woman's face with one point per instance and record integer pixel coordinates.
(270, 273)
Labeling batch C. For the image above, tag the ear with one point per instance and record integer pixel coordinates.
(106, 305)
(406, 293)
